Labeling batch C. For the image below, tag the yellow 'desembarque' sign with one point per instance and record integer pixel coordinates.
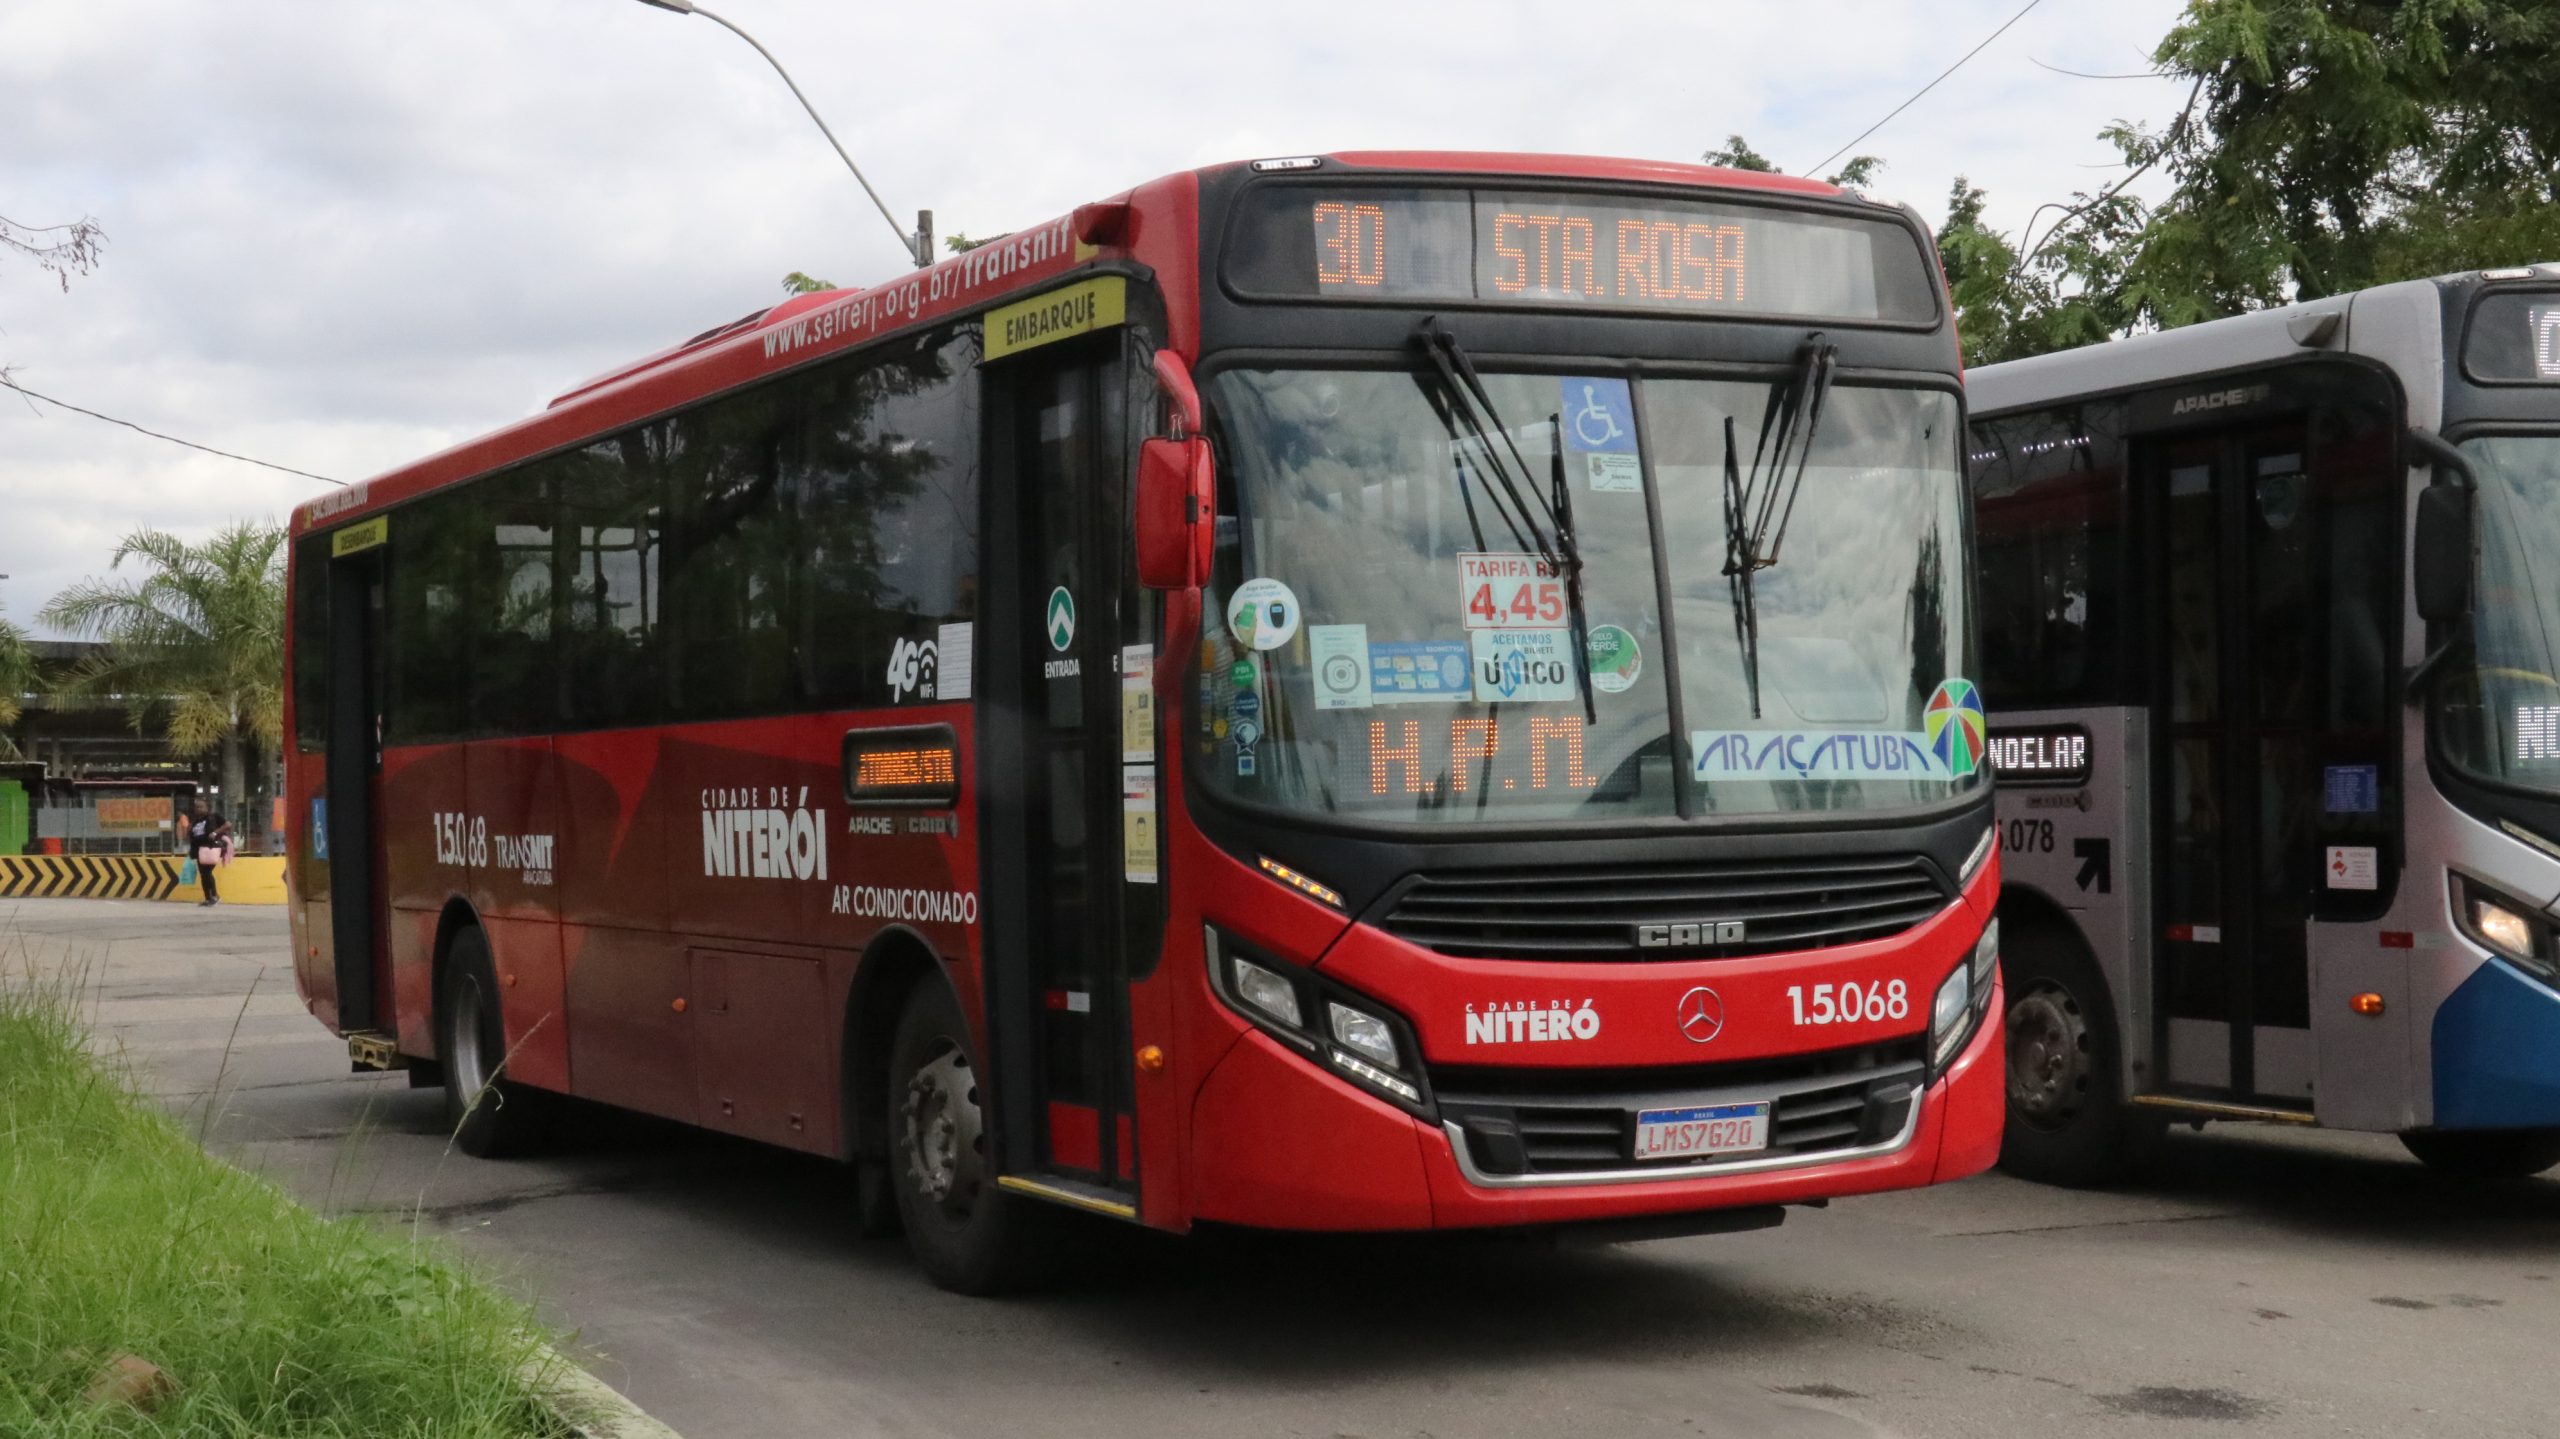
(1079, 309)
(356, 538)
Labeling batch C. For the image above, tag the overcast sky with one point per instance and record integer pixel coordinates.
(343, 235)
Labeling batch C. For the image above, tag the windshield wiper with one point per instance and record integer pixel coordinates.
(1757, 507)
(1555, 545)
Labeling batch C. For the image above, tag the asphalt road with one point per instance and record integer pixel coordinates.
(2257, 1283)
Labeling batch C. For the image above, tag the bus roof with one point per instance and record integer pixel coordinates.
(2168, 356)
(805, 327)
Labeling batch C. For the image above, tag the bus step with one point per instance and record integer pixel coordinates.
(1092, 1198)
(372, 1049)
(2216, 1109)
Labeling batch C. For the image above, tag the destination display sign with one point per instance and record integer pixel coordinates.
(2040, 754)
(1590, 251)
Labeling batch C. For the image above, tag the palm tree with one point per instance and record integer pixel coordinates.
(196, 641)
(17, 678)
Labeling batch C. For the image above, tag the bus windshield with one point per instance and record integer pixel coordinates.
(2499, 717)
(1388, 638)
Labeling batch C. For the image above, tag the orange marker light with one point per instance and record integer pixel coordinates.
(678, 1006)
(1151, 1059)
(2367, 1004)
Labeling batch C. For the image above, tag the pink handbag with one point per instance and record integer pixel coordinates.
(210, 854)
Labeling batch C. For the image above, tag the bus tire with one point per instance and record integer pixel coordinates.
(2485, 1153)
(970, 1236)
(2067, 1119)
(489, 1115)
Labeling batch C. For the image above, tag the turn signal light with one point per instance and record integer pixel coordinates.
(1324, 893)
(2367, 1004)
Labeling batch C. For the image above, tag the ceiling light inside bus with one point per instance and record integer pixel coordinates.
(1362, 1031)
(1267, 991)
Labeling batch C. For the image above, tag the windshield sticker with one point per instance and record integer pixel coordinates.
(1615, 659)
(1599, 416)
(1815, 754)
(1341, 660)
(1501, 591)
(1955, 726)
(1263, 614)
(1523, 665)
(1599, 425)
(1417, 671)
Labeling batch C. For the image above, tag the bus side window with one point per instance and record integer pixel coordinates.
(2049, 518)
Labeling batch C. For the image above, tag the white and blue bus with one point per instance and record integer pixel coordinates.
(2270, 615)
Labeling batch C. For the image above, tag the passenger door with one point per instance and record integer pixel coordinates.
(2275, 784)
(1069, 883)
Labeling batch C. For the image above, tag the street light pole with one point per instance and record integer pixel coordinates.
(919, 246)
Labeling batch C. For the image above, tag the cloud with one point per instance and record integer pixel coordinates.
(343, 236)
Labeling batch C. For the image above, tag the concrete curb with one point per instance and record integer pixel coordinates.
(589, 1407)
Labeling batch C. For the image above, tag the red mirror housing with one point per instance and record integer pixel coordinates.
(1175, 510)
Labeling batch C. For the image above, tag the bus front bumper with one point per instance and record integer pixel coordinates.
(1280, 1144)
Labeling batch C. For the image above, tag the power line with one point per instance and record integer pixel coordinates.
(2085, 75)
(172, 439)
(1925, 89)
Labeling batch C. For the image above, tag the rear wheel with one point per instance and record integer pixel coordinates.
(490, 1115)
(2067, 1121)
(970, 1235)
(2485, 1153)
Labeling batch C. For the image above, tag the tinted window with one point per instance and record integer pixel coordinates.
(884, 477)
(730, 557)
(611, 515)
(515, 673)
(311, 642)
(2048, 493)
(428, 640)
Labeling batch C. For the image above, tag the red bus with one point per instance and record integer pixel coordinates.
(1352, 692)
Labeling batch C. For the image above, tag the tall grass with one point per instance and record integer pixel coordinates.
(118, 1235)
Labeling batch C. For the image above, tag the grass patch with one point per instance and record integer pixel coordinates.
(119, 1236)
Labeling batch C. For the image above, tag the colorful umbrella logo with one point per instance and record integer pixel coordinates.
(1954, 724)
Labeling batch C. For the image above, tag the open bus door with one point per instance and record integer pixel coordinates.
(1071, 913)
(359, 945)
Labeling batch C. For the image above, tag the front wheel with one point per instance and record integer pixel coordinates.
(2485, 1153)
(970, 1235)
(2067, 1121)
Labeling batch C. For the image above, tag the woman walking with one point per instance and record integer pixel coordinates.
(208, 839)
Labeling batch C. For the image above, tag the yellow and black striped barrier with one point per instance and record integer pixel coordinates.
(87, 876)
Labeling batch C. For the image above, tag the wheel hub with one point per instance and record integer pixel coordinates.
(941, 1132)
(470, 1064)
(2048, 1055)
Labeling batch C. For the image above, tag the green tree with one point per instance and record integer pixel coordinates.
(800, 282)
(194, 643)
(1736, 154)
(17, 679)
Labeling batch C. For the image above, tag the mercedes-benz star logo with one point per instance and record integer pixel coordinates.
(1701, 1015)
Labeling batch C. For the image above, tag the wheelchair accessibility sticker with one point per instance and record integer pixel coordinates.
(1599, 419)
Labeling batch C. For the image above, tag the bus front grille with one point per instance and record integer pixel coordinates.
(1666, 911)
(1520, 1122)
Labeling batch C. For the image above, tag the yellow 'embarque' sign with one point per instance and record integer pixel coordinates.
(356, 538)
(1079, 309)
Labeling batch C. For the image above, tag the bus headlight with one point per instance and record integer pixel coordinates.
(1948, 1013)
(1358, 1038)
(1362, 1031)
(1963, 997)
(1266, 991)
(2508, 927)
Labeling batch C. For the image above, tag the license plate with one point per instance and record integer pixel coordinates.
(1704, 1129)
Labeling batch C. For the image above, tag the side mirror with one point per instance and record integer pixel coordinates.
(1176, 510)
(2441, 554)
